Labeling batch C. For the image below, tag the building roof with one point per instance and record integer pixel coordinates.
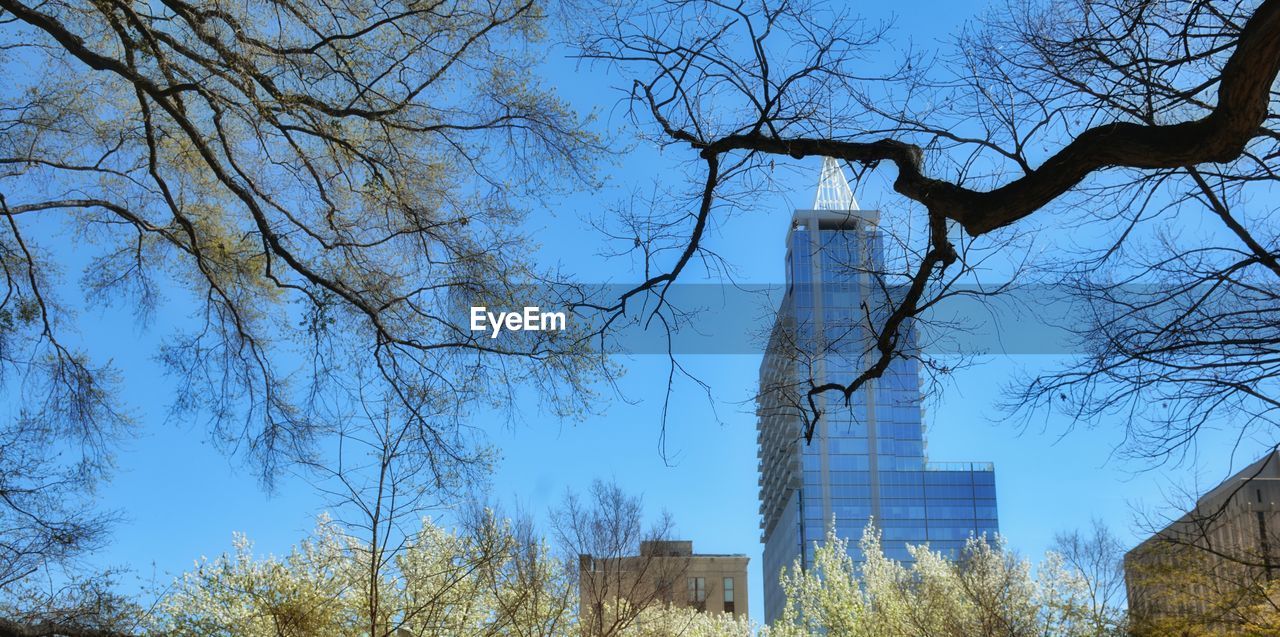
(669, 548)
(1264, 469)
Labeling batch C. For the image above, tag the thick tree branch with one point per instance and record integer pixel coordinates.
(1244, 99)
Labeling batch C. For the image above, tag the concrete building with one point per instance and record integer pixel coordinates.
(666, 573)
(1203, 567)
(864, 462)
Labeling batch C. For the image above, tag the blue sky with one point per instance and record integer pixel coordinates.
(183, 498)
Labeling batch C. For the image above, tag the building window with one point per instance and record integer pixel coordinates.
(698, 591)
(728, 594)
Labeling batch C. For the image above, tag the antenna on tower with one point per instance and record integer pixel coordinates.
(834, 192)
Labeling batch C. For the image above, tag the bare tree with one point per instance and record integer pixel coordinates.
(1088, 112)
(46, 518)
(622, 569)
(70, 607)
(1098, 557)
(381, 483)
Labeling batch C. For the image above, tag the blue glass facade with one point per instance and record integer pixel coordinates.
(866, 461)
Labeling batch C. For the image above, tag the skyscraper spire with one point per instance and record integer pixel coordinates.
(834, 192)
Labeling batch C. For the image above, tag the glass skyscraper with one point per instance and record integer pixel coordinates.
(866, 461)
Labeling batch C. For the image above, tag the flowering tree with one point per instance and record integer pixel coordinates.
(988, 591)
(664, 621)
(486, 580)
(490, 578)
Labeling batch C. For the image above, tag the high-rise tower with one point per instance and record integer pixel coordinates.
(865, 462)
